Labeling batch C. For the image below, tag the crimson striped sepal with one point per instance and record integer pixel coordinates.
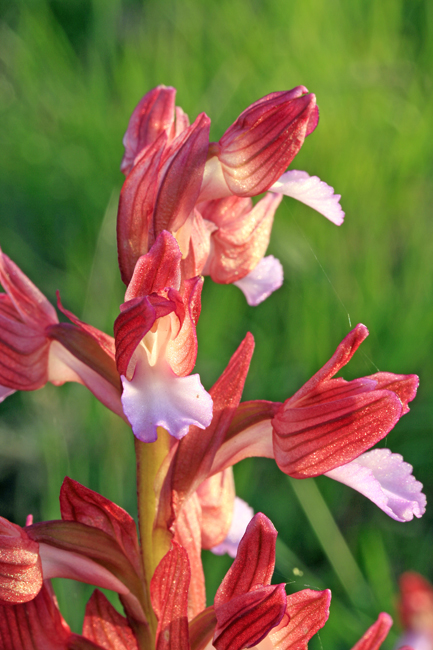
(247, 607)
(161, 191)
(169, 594)
(330, 422)
(258, 147)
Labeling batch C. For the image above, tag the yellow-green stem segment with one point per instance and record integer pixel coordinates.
(149, 457)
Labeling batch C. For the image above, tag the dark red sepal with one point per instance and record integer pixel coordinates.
(245, 620)
(254, 563)
(169, 595)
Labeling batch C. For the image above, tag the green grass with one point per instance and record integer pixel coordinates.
(70, 75)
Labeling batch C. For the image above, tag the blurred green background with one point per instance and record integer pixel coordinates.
(71, 71)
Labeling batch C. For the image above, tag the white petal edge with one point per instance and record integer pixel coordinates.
(311, 191)
(242, 515)
(5, 392)
(263, 280)
(385, 479)
(156, 397)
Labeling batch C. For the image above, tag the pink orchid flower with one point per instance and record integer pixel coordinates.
(155, 345)
(416, 611)
(199, 191)
(327, 427)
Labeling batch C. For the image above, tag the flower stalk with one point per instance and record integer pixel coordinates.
(149, 458)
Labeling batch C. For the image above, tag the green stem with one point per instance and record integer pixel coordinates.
(149, 457)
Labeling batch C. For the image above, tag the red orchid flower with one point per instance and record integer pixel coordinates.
(327, 427)
(155, 345)
(416, 611)
(96, 542)
(199, 191)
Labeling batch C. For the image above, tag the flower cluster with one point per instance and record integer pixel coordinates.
(186, 211)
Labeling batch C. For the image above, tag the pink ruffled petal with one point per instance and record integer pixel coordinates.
(385, 479)
(311, 191)
(242, 515)
(263, 280)
(156, 397)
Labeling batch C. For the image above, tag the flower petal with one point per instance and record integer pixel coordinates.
(70, 549)
(188, 534)
(250, 434)
(405, 386)
(192, 462)
(153, 115)
(5, 392)
(137, 317)
(79, 503)
(181, 175)
(247, 618)
(33, 308)
(342, 355)
(20, 564)
(24, 350)
(311, 191)
(156, 397)
(181, 351)
(241, 236)
(265, 138)
(64, 365)
(59, 563)
(136, 206)
(242, 515)
(105, 626)
(217, 496)
(376, 634)
(157, 269)
(315, 439)
(416, 602)
(263, 280)
(37, 625)
(385, 479)
(168, 590)
(254, 563)
(308, 612)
